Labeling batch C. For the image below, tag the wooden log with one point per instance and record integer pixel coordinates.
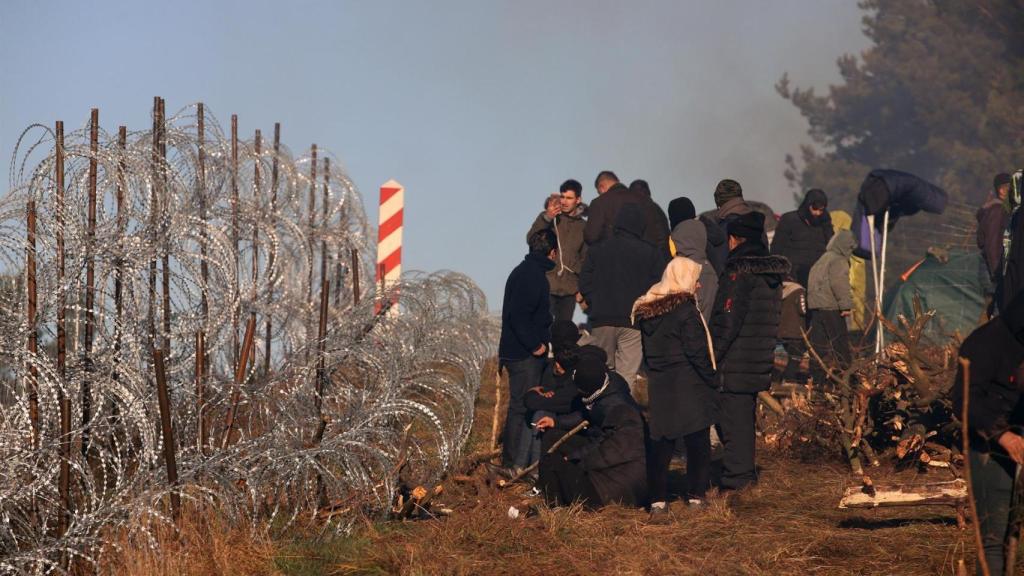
(239, 379)
(497, 408)
(770, 402)
(167, 431)
(951, 493)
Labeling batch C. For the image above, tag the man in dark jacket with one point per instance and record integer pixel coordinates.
(993, 216)
(995, 418)
(525, 332)
(730, 206)
(617, 271)
(803, 234)
(568, 225)
(608, 464)
(604, 212)
(744, 326)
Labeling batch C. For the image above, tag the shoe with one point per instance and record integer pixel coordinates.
(696, 503)
(659, 515)
(533, 492)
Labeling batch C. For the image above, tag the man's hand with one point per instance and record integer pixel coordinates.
(1014, 446)
(541, 350)
(844, 313)
(545, 423)
(553, 209)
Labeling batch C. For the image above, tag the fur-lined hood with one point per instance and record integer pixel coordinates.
(774, 265)
(661, 306)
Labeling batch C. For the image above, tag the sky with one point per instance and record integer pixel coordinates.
(479, 108)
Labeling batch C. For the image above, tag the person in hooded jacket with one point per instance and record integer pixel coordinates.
(689, 238)
(617, 271)
(567, 223)
(993, 216)
(680, 381)
(680, 210)
(744, 328)
(792, 322)
(829, 300)
(803, 234)
(607, 464)
(995, 419)
(612, 196)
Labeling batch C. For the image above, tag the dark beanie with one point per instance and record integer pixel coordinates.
(590, 369)
(640, 186)
(749, 225)
(564, 334)
(727, 190)
(1000, 180)
(679, 210)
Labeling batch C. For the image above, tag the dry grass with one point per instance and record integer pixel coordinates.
(788, 524)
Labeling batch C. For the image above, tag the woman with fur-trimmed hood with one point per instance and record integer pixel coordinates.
(677, 348)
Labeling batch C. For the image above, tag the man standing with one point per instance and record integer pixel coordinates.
(803, 234)
(617, 271)
(568, 224)
(993, 216)
(744, 326)
(525, 332)
(604, 212)
(830, 300)
(731, 205)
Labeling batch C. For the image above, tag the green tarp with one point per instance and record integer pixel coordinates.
(953, 289)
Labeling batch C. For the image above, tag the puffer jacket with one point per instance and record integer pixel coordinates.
(615, 455)
(690, 239)
(800, 238)
(828, 286)
(572, 250)
(745, 321)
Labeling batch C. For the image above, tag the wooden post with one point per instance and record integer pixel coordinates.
(90, 278)
(64, 401)
(258, 148)
(168, 432)
(355, 277)
(154, 209)
(270, 253)
(30, 317)
(243, 361)
(201, 391)
(122, 144)
(204, 281)
(326, 216)
(164, 240)
(965, 367)
(234, 235)
(318, 400)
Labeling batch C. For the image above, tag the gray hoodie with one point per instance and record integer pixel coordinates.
(691, 240)
(828, 285)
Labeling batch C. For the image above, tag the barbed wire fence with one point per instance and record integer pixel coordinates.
(182, 323)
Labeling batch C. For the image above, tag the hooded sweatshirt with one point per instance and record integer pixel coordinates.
(690, 239)
(828, 285)
(802, 238)
(572, 250)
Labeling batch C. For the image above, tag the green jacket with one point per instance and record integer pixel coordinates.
(828, 285)
(572, 250)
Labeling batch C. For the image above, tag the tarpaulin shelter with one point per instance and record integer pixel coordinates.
(953, 288)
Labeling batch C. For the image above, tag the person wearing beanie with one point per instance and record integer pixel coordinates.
(607, 463)
(612, 196)
(993, 217)
(994, 421)
(680, 381)
(744, 325)
(680, 209)
(803, 234)
(829, 302)
(567, 221)
(525, 333)
(730, 206)
(617, 271)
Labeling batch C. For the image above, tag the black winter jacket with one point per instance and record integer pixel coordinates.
(800, 239)
(619, 270)
(717, 248)
(996, 391)
(1011, 282)
(745, 321)
(526, 309)
(680, 379)
(604, 212)
(565, 398)
(614, 455)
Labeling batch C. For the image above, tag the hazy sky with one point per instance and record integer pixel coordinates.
(480, 108)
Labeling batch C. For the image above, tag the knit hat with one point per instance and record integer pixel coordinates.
(727, 190)
(590, 371)
(640, 186)
(564, 334)
(1000, 180)
(749, 225)
(679, 210)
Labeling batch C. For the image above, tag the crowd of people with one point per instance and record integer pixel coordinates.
(699, 304)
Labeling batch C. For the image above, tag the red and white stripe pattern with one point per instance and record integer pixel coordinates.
(389, 238)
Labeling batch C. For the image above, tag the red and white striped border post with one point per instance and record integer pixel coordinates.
(389, 240)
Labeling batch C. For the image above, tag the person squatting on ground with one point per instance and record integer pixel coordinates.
(617, 271)
(744, 326)
(792, 323)
(607, 463)
(612, 195)
(525, 331)
(830, 300)
(993, 217)
(680, 381)
(567, 221)
(803, 234)
(995, 417)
